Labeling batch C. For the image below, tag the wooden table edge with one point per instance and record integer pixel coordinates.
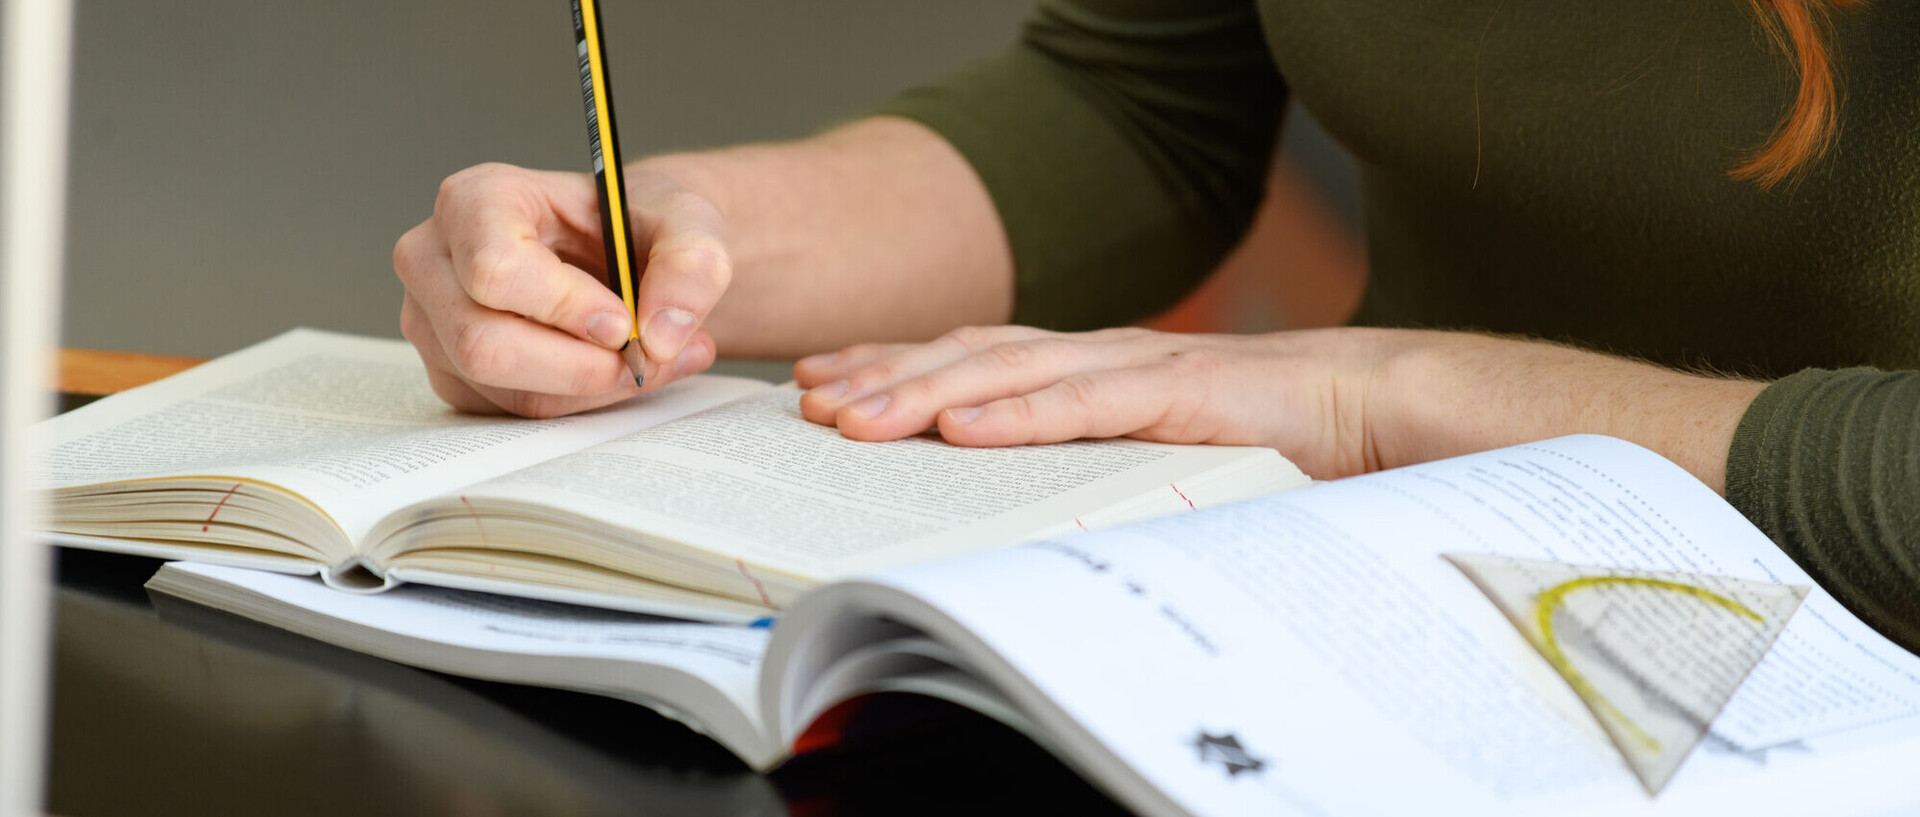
(101, 372)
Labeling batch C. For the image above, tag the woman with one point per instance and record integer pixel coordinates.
(1652, 180)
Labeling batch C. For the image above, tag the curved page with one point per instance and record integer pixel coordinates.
(350, 424)
(1312, 653)
(700, 674)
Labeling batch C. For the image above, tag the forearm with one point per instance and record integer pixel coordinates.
(1471, 393)
(878, 230)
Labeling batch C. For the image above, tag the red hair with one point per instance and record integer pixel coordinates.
(1798, 28)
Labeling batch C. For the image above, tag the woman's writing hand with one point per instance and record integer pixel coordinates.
(505, 295)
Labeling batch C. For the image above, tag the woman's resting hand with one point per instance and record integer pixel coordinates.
(1335, 401)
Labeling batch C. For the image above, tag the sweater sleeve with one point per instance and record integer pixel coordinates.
(1827, 463)
(1124, 144)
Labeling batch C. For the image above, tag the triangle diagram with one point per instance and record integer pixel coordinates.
(1655, 655)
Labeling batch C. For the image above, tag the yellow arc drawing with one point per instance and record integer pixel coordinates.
(1554, 597)
(1654, 655)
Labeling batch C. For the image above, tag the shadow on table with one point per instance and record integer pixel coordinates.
(165, 707)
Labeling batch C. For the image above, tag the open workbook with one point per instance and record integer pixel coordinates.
(711, 498)
(1305, 653)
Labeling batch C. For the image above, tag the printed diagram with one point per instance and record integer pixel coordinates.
(1655, 655)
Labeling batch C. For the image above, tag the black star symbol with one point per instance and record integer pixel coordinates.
(1225, 750)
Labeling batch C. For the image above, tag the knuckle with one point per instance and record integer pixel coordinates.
(721, 273)
(404, 251)
(1021, 407)
(919, 391)
(862, 351)
(449, 190)
(693, 205)
(559, 304)
(491, 275)
(1013, 356)
(1183, 416)
(706, 259)
(1023, 417)
(478, 353)
(970, 338)
(872, 376)
(467, 183)
(1199, 362)
(1081, 391)
(452, 186)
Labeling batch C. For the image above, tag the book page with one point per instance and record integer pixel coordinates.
(349, 423)
(700, 674)
(753, 480)
(1280, 656)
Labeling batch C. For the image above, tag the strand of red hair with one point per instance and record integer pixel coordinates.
(1798, 28)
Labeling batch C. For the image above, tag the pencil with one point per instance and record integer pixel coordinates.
(603, 144)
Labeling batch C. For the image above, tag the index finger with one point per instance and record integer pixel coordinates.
(687, 268)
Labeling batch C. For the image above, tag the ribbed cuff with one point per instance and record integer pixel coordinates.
(1827, 464)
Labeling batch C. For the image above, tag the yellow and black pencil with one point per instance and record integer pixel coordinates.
(603, 144)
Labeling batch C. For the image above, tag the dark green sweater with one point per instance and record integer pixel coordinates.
(1537, 167)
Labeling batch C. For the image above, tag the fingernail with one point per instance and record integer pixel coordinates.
(964, 415)
(666, 332)
(609, 329)
(817, 361)
(829, 391)
(870, 407)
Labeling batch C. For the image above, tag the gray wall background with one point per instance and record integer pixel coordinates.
(243, 167)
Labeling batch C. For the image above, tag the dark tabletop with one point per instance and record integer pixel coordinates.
(163, 707)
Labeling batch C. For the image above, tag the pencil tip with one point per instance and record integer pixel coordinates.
(636, 362)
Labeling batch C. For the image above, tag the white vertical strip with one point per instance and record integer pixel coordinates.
(35, 61)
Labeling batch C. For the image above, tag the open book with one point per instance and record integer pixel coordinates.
(711, 498)
(1308, 652)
